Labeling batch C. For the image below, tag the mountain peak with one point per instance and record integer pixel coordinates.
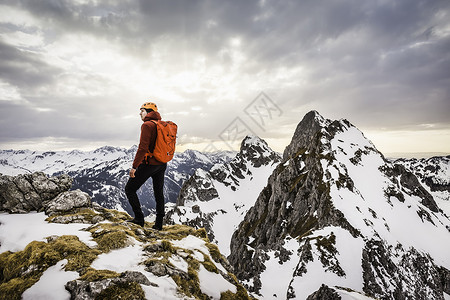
(311, 123)
(255, 150)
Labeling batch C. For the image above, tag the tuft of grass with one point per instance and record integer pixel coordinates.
(91, 274)
(112, 240)
(22, 269)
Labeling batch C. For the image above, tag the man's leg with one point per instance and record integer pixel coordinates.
(133, 184)
(158, 189)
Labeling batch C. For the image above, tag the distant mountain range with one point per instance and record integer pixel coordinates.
(103, 173)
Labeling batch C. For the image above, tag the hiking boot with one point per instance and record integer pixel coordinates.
(157, 226)
(158, 223)
(137, 221)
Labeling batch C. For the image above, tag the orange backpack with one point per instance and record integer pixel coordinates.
(166, 135)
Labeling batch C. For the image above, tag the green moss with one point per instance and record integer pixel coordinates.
(110, 236)
(114, 215)
(189, 284)
(201, 233)
(214, 252)
(91, 274)
(112, 240)
(167, 246)
(241, 294)
(178, 232)
(22, 269)
(128, 290)
(13, 289)
(209, 265)
(78, 254)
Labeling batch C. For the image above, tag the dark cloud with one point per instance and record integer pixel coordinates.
(24, 69)
(379, 63)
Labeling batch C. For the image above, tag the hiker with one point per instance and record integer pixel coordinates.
(145, 166)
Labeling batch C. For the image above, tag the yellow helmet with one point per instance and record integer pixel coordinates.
(149, 105)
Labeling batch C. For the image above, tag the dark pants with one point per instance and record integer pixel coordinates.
(144, 172)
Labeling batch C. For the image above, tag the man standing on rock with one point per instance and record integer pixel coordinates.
(145, 167)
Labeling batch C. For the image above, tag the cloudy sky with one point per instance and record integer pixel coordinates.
(73, 74)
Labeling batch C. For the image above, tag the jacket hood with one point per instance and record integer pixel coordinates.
(153, 115)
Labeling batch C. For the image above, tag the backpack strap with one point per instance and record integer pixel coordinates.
(149, 154)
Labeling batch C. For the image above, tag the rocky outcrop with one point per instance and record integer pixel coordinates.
(324, 293)
(83, 289)
(67, 201)
(27, 192)
(254, 152)
(251, 166)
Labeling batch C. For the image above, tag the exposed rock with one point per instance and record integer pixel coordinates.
(198, 187)
(445, 279)
(27, 192)
(410, 185)
(324, 293)
(87, 290)
(67, 201)
(203, 186)
(433, 172)
(385, 278)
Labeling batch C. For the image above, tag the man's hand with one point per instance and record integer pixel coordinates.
(132, 172)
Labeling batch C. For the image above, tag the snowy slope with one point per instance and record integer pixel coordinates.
(219, 199)
(17, 231)
(336, 213)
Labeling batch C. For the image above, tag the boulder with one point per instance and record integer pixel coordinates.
(28, 192)
(66, 202)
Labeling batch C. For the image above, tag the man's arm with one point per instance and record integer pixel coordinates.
(144, 143)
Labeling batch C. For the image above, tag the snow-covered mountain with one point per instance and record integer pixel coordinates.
(434, 174)
(219, 199)
(103, 173)
(337, 217)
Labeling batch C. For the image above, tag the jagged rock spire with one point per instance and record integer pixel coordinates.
(311, 123)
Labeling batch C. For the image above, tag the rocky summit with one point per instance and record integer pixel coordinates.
(337, 219)
(71, 248)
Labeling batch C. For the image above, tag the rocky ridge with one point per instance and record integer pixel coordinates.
(434, 174)
(225, 193)
(178, 262)
(330, 216)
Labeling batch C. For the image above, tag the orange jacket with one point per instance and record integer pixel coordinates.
(147, 140)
